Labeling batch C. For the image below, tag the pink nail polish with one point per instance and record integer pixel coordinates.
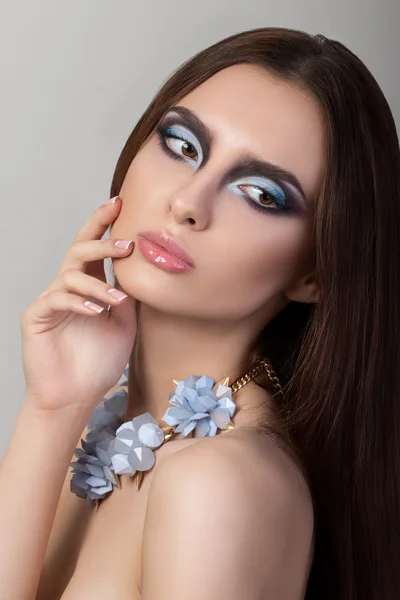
(110, 201)
(123, 244)
(93, 306)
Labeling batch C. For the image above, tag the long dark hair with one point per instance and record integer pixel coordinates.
(339, 359)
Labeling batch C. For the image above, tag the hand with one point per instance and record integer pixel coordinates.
(73, 354)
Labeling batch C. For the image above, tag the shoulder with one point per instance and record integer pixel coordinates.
(218, 510)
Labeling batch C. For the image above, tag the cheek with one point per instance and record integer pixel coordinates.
(140, 193)
(151, 170)
(257, 264)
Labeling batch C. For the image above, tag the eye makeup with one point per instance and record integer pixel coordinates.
(270, 181)
(271, 194)
(177, 132)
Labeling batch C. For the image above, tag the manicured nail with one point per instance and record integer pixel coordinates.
(117, 294)
(110, 201)
(124, 244)
(93, 306)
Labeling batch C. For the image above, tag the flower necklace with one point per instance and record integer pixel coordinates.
(113, 447)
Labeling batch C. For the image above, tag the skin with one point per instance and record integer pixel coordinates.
(227, 517)
(249, 265)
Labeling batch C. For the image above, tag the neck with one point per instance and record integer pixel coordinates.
(168, 348)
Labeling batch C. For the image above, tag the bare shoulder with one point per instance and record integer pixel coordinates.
(236, 507)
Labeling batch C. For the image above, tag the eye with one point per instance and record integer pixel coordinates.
(262, 196)
(179, 145)
(267, 197)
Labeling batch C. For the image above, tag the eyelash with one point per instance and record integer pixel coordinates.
(163, 134)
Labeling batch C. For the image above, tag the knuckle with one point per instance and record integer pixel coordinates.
(111, 244)
(47, 290)
(76, 240)
(79, 234)
(52, 294)
(106, 247)
(69, 276)
(75, 247)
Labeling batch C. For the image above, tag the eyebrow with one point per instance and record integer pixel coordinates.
(250, 165)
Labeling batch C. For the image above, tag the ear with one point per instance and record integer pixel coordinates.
(303, 290)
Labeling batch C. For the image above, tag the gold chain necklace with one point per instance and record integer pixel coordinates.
(262, 364)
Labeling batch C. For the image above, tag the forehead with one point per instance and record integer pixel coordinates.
(249, 110)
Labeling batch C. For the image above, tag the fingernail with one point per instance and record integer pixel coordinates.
(110, 201)
(124, 244)
(117, 294)
(93, 306)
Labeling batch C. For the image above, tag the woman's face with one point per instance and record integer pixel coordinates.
(208, 175)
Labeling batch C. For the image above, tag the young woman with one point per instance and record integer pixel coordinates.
(260, 194)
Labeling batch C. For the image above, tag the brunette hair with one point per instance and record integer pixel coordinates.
(339, 359)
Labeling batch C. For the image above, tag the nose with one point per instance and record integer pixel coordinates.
(191, 205)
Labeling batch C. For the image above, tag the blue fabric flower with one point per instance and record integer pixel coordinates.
(112, 447)
(200, 405)
(132, 448)
(93, 473)
(110, 413)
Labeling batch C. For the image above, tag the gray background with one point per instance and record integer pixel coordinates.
(76, 76)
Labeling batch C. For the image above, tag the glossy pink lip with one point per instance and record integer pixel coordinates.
(165, 251)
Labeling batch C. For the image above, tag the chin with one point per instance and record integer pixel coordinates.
(183, 294)
(164, 291)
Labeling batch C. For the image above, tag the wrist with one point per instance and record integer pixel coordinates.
(72, 417)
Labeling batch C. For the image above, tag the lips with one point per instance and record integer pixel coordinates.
(169, 243)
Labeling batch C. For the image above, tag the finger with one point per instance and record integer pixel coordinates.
(75, 281)
(46, 306)
(83, 253)
(96, 226)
